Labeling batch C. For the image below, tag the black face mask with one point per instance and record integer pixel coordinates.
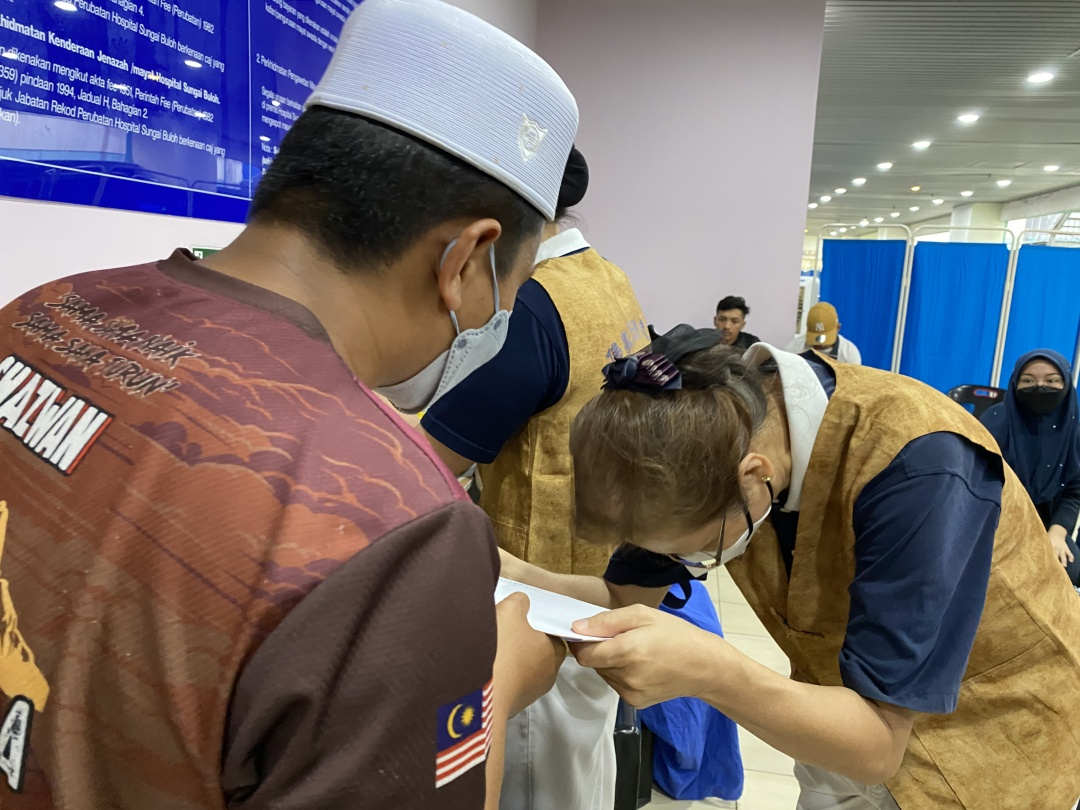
(1041, 400)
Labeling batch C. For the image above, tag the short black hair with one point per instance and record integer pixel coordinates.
(733, 302)
(575, 182)
(364, 192)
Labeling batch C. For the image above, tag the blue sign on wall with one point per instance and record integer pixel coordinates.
(166, 106)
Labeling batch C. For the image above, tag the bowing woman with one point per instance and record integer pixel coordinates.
(875, 531)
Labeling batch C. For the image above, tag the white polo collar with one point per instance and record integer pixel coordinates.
(805, 402)
(561, 244)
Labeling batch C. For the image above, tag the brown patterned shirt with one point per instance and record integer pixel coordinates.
(229, 575)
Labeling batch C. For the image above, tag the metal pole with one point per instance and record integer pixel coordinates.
(902, 305)
(1053, 235)
(1076, 367)
(927, 228)
(1003, 319)
(815, 282)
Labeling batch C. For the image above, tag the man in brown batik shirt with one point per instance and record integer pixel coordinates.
(230, 576)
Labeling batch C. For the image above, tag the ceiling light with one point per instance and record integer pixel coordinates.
(894, 214)
(921, 145)
(884, 166)
(937, 201)
(65, 5)
(1004, 183)
(193, 63)
(812, 206)
(832, 233)
(1051, 167)
(1038, 77)
(264, 138)
(966, 193)
(968, 118)
(824, 198)
(879, 219)
(840, 190)
(858, 181)
(916, 188)
(913, 208)
(864, 222)
(275, 103)
(842, 230)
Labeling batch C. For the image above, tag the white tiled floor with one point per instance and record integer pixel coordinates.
(769, 784)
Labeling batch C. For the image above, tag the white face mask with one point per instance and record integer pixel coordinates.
(470, 350)
(738, 548)
(699, 561)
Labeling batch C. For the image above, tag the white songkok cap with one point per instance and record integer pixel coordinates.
(442, 75)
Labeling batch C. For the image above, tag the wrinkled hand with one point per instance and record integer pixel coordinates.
(1057, 535)
(652, 656)
(526, 661)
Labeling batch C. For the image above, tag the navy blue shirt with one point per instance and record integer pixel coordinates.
(924, 529)
(529, 374)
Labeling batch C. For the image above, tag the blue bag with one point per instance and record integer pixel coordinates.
(695, 747)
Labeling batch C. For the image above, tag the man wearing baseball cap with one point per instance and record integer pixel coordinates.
(823, 335)
(231, 576)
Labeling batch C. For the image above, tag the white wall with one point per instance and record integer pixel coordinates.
(697, 119)
(1065, 199)
(516, 17)
(976, 215)
(41, 241)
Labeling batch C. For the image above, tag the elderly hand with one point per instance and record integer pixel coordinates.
(1056, 535)
(652, 656)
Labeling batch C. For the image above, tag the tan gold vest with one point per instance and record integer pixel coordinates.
(1014, 740)
(528, 490)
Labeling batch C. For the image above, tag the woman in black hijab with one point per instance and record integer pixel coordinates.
(1038, 430)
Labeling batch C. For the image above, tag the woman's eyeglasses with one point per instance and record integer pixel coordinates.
(708, 560)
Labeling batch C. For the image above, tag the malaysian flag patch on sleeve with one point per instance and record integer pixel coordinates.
(463, 734)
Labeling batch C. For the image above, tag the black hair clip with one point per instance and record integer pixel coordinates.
(645, 371)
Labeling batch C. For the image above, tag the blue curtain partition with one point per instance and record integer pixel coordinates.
(1045, 312)
(861, 278)
(953, 313)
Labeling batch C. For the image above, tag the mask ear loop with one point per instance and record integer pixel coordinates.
(494, 277)
(767, 480)
(749, 518)
(494, 280)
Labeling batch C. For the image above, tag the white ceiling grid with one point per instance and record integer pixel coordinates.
(897, 71)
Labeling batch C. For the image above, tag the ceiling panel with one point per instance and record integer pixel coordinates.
(895, 71)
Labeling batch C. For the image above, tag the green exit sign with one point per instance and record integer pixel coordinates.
(204, 252)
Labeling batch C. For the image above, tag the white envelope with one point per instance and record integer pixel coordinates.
(551, 612)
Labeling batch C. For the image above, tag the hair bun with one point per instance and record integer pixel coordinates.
(645, 371)
(682, 340)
